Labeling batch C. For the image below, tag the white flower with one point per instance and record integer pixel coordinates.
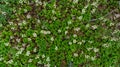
(45, 32)
(11, 23)
(30, 60)
(6, 44)
(105, 45)
(52, 39)
(48, 59)
(95, 4)
(18, 40)
(28, 16)
(4, 13)
(34, 50)
(10, 61)
(25, 10)
(79, 43)
(48, 32)
(70, 43)
(34, 34)
(43, 56)
(27, 53)
(93, 58)
(67, 27)
(88, 25)
(56, 48)
(93, 10)
(89, 49)
(77, 29)
(37, 57)
(47, 65)
(38, 21)
(74, 41)
(87, 56)
(1, 58)
(96, 50)
(24, 22)
(83, 11)
(1, 25)
(69, 22)
(94, 27)
(20, 51)
(80, 17)
(29, 39)
(53, 11)
(74, 35)
(66, 32)
(59, 31)
(75, 1)
(19, 24)
(76, 54)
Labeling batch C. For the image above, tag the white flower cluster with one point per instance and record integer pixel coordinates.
(45, 32)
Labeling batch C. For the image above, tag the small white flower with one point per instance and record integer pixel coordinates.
(89, 49)
(96, 50)
(66, 32)
(1, 25)
(25, 10)
(27, 53)
(47, 65)
(11, 23)
(29, 39)
(79, 43)
(59, 31)
(74, 41)
(10, 61)
(56, 48)
(24, 22)
(94, 27)
(75, 1)
(77, 29)
(38, 21)
(30, 60)
(93, 10)
(28, 16)
(1, 58)
(87, 56)
(48, 32)
(6, 44)
(52, 39)
(18, 40)
(93, 58)
(67, 27)
(53, 11)
(19, 24)
(34, 34)
(48, 59)
(34, 50)
(76, 54)
(86, 6)
(105, 45)
(37, 57)
(74, 35)
(70, 43)
(69, 22)
(83, 11)
(88, 25)
(95, 4)
(80, 17)
(43, 56)
(4, 13)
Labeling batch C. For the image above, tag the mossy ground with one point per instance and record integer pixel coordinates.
(59, 33)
